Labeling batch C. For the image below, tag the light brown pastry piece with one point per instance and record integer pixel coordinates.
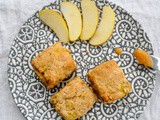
(74, 100)
(53, 65)
(109, 82)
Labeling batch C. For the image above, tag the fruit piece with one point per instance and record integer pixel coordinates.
(54, 20)
(118, 51)
(90, 19)
(143, 57)
(73, 18)
(105, 28)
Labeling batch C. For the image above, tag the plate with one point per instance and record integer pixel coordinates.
(31, 96)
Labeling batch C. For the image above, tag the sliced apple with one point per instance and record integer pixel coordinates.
(73, 18)
(54, 20)
(90, 19)
(105, 28)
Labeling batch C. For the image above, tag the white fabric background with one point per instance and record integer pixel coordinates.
(13, 13)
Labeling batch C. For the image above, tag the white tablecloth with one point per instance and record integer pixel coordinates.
(13, 13)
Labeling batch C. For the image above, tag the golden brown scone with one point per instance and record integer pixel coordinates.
(109, 82)
(53, 65)
(74, 100)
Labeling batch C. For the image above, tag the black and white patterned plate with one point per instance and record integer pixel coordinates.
(31, 96)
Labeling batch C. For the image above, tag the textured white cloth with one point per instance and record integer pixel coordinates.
(13, 13)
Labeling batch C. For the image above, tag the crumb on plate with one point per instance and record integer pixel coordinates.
(118, 51)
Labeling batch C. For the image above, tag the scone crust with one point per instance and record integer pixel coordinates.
(53, 65)
(109, 81)
(74, 100)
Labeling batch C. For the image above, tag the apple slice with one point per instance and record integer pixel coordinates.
(73, 18)
(90, 19)
(55, 21)
(105, 28)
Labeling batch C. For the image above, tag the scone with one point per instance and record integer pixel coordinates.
(109, 82)
(74, 100)
(53, 65)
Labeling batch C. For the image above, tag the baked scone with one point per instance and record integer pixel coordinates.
(109, 82)
(53, 65)
(74, 100)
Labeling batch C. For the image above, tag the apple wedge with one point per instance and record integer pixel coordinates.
(105, 28)
(55, 21)
(73, 18)
(90, 19)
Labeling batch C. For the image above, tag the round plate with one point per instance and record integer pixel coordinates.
(31, 96)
